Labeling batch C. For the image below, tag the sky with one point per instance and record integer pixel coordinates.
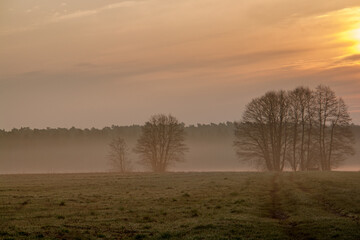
(97, 63)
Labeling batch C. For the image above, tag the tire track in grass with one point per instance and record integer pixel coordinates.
(277, 212)
(326, 205)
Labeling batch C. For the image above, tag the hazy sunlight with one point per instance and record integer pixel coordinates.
(356, 35)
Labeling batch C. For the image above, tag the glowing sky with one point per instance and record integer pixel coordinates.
(94, 63)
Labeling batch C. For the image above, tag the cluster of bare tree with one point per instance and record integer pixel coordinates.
(161, 143)
(303, 129)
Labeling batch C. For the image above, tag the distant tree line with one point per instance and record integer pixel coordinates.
(210, 131)
(304, 129)
(118, 138)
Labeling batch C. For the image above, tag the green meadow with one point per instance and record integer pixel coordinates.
(217, 205)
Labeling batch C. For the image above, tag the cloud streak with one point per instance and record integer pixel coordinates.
(84, 13)
(351, 58)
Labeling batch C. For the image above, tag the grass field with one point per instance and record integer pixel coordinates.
(311, 205)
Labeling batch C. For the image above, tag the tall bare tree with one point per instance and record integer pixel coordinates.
(334, 136)
(262, 135)
(309, 156)
(161, 142)
(118, 155)
(301, 114)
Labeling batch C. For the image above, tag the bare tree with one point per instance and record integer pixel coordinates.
(161, 142)
(262, 135)
(309, 155)
(118, 155)
(301, 113)
(334, 136)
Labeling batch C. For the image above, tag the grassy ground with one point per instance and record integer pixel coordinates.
(181, 206)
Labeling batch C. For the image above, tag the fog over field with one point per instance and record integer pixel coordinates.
(70, 151)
